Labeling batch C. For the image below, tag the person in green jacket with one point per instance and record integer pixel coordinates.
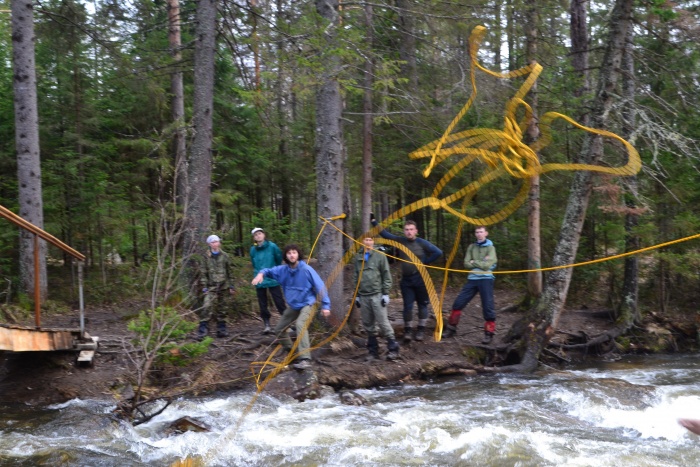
(372, 270)
(481, 260)
(265, 254)
(216, 281)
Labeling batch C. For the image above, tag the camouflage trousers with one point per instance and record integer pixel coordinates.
(216, 302)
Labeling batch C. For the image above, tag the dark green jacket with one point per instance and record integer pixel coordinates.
(267, 255)
(376, 276)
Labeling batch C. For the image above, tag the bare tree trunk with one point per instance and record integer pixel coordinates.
(367, 126)
(199, 176)
(628, 311)
(578, 31)
(534, 252)
(284, 112)
(497, 35)
(407, 50)
(544, 316)
(178, 103)
(30, 199)
(510, 31)
(329, 160)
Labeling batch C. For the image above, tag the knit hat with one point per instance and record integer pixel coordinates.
(257, 229)
(213, 238)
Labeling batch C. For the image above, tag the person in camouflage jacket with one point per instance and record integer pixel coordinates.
(372, 272)
(216, 281)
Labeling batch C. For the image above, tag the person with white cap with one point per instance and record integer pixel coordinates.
(266, 254)
(216, 280)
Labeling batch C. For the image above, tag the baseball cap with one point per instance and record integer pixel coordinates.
(257, 229)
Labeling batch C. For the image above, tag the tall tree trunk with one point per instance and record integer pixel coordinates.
(367, 125)
(407, 48)
(178, 103)
(510, 32)
(628, 311)
(199, 176)
(497, 35)
(544, 316)
(27, 145)
(578, 31)
(534, 252)
(284, 113)
(329, 159)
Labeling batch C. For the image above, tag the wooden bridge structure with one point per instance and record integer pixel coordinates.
(16, 338)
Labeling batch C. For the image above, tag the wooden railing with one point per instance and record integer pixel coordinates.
(40, 233)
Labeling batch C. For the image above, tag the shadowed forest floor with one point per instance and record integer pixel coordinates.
(43, 378)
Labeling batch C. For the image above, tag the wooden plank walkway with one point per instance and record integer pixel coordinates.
(30, 339)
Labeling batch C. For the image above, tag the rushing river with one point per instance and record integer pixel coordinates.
(621, 413)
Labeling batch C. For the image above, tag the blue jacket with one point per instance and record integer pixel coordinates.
(267, 255)
(302, 285)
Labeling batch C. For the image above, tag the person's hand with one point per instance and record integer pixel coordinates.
(690, 424)
(385, 300)
(205, 290)
(257, 279)
(232, 291)
(357, 302)
(326, 312)
(372, 219)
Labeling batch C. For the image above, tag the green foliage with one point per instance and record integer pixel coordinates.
(106, 128)
(161, 332)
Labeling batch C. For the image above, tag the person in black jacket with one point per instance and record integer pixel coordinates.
(413, 288)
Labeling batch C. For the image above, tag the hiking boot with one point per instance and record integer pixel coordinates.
(392, 349)
(203, 330)
(449, 331)
(267, 329)
(420, 334)
(303, 364)
(407, 335)
(373, 346)
(489, 331)
(221, 329)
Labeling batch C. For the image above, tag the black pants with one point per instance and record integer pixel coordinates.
(277, 297)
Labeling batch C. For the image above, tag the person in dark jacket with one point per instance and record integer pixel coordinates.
(481, 260)
(302, 288)
(265, 254)
(216, 281)
(413, 287)
(372, 270)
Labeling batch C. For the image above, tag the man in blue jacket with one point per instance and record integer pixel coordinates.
(481, 260)
(412, 286)
(265, 254)
(302, 288)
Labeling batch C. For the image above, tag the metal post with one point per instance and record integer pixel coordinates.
(80, 300)
(37, 284)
